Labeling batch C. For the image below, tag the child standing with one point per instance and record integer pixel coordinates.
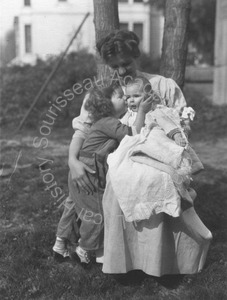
(105, 106)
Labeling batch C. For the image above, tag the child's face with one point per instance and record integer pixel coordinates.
(134, 94)
(119, 103)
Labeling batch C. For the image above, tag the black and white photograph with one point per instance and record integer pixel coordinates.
(113, 149)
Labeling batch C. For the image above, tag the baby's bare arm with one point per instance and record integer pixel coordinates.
(144, 108)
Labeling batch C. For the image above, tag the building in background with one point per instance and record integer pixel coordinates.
(44, 28)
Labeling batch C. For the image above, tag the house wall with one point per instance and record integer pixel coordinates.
(54, 22)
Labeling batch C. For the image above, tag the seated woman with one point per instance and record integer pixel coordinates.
(162, 244)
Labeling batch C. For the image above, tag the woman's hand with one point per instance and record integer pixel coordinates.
(79, 176)
(77, 168)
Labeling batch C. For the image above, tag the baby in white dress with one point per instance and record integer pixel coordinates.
(151, 172)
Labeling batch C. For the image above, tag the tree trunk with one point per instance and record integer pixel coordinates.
(106, 20)
(175, 40)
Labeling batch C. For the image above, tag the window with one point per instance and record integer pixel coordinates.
(138, 1)
(28, 38)
(123, 0)
(27, 2)
(124, 26)
(138, 29)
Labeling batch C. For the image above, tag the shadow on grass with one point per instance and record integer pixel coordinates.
(137, 277)
(28, 271)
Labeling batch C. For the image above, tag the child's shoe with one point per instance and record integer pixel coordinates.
(83, 256)
(60, 252)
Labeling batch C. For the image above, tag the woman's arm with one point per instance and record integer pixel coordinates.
(77, 168)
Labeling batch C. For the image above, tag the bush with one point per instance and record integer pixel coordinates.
(146, 64)
(210, 119)
(20, 85)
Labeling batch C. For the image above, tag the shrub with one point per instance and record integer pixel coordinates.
(20, 85)
(148, 65)
(210, 120)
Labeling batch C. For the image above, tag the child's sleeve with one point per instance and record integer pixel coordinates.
(165, 121)
(170, 91)
(80, 127)
(115, 129)
(82, 123)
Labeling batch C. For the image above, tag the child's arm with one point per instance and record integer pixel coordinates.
(144, 108)
(166, 120)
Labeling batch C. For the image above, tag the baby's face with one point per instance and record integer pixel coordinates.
(134, 94)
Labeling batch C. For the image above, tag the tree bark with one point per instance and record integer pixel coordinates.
(106, 20)
(175, 40)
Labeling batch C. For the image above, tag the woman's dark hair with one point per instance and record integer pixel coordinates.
(99, 101)
(119, 42)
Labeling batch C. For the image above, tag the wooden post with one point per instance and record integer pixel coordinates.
(220, 54)
(175, 40)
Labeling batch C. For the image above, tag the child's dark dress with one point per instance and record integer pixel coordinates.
(103, 138)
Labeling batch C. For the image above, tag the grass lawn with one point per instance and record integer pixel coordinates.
(29, 216)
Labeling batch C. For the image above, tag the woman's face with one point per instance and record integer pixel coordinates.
(125, 65)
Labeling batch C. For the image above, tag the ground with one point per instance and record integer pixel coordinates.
(29, 216)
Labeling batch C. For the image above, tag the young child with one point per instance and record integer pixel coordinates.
(160, 116)
(141, 190)
(105, 106)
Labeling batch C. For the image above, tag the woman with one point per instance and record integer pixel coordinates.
(162, 244)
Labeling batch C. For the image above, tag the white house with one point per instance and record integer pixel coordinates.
(44, 28)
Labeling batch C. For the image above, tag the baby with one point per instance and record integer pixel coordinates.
(167, 118)
(161, 145)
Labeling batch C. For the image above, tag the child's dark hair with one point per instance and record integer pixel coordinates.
(99, 101)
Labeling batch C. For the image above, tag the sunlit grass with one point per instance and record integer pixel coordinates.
(28, 222)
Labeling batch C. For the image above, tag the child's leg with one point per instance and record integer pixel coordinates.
(92, 226)
(89, 210)
(91, 230)
(66, 223)
(65, 228)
